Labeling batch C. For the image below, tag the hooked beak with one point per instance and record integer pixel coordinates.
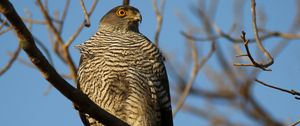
(137, 18)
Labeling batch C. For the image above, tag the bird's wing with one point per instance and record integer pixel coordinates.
(166, 109)
(164, 98)
(83, 116)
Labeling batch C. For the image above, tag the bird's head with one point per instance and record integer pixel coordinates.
(124, 17)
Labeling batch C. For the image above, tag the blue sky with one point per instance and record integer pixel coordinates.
(22, 88)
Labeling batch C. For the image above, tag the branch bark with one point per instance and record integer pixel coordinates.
(258, 41)
(196, 68)
(126, 2)
(11, 61)
(292, 92)
(65, 50)
(86, 17)
(159, 18)
(253, 62)
(26, 41)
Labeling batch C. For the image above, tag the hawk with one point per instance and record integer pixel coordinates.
(123, 72)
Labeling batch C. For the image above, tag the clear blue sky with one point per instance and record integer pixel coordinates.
(21, 88)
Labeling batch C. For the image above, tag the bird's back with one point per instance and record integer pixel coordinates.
(124, 74)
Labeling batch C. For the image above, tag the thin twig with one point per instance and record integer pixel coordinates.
(217, 95)
(45, 50)
(256, 111)
(221, 34)
(159, 18)
(41, 44)
(254, 63)
(25, 62)
(58, 39)
(64, 15)
(33, 21)
(126, 2)
(48, 20)
(197, 67)
(199, 39)
(87, 21)
(210, 116)
(190, 83)
(65, 54)
(5, 30)
(258, 41)
(238, 11)
(11, 61)
(296, 123)
(292, 92)
(60, 28)
(3, 23)
(79, 29)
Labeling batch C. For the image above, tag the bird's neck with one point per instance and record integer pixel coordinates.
(112, 28)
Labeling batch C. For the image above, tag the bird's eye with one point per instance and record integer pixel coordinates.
(121, 12)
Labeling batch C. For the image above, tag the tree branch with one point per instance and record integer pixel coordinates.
(196, 68)
(159, 18)
(64, 15)
(26, 41)
(296, 123)
(254, 63)
(292, 92)
(258, 41)
(65, 54)
(11, 61)
(87, 21)
(126, 2)
(79, 29)
(222, 34)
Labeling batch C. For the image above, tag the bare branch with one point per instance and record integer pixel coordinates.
(189, 85)
(5, 30)
(11, 61)
(159, 18)
(258, 41)
(33, 21)
(196, 68)
(64, 15)
(215, 120)
(199, 39)
(24, 62)
(227, 95)
(3, 23)
(292, 92)
(66, 53)
(45, 50)
(87, 21)
(254, 63)
(126, 2)
(83, 103)
(222, 34)
(296, 123)
(49, 22)
(79, 29)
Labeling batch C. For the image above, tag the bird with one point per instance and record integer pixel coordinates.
(123, 72)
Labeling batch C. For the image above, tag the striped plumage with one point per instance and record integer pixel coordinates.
(123, 72)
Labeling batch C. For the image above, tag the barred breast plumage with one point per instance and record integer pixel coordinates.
(123, 73)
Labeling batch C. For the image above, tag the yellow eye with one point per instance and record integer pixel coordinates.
(121, 12)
